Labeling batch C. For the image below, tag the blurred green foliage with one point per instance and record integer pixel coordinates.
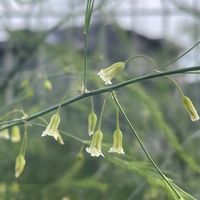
(56, 172)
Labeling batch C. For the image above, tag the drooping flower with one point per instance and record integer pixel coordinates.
(117, 142)
(110, 72)
(190, 108)
(92, 120)
(19, 165)
(4, 134)
(95, 147)
(15, 134)
(52, 128)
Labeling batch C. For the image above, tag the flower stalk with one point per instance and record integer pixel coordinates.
(92, 119)
(88, 15)
(67, 102)
(143, 147)
(145, 57)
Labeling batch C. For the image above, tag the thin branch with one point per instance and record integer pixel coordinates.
(102, 111)
(88, 14)
(142, 145)
(98, 91)
(178, 57)
(176, 84)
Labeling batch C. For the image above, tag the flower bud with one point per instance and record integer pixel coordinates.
(109, 73)
(52, 128)
(92, 120)
(47, 85)
(190, 108)
(95, 147)
(4, 134)
(19, 165)
(15, 134)
(117, 142)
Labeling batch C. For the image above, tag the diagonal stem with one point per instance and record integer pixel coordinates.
(88, 15)
(142, 145)
(177, 85)
(102, 111)
(13, 122)
(85, 62)
(178, 57)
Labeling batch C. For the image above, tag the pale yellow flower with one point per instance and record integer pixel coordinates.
(109, 73)
(190, 108)
(117, 142)
(95, 147)
(47, 85)
(15, 134)
(52, 128)
(4, 134)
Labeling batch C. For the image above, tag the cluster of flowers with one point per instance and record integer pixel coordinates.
(97, 137)
(94, 149)
(107, 75)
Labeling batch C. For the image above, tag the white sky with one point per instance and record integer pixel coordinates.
(143, 16)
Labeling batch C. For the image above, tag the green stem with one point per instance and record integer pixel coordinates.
(145, 57)
(192, 72)
(43, 120)
(117, 117)
(142, 145)
(10, 113)
(88, 14)
(85, 62)
(63, 98)
(177, 85)
(178, 57)
(101, 115)
(63, 133)
(95, 92)
(92, 104)
(24, 141)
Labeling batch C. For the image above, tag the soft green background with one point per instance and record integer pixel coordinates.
(68, 172)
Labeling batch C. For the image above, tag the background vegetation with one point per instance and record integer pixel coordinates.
(31, 58)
